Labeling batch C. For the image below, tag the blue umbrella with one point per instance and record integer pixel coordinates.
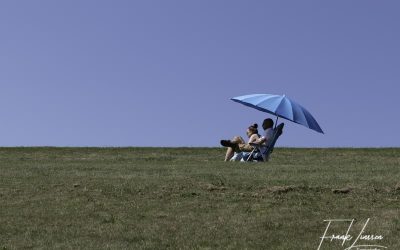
(280, 106)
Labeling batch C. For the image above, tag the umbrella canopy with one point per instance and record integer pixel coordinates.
(280, 106)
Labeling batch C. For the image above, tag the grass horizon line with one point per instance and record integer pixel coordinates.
(196, 147)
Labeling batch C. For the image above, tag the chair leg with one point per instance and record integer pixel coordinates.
(251, 154)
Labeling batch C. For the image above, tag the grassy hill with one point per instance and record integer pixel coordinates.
(187, 198)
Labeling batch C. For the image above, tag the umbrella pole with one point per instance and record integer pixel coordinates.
(276, 122)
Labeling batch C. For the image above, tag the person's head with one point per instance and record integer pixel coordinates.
(268, 123)
(252, 130)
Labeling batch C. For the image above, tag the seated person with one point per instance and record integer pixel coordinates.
(265, 140)
(238, 145)
(267, 125)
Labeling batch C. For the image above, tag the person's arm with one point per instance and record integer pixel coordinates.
(260, 140)
(253, 138)
(263, 139)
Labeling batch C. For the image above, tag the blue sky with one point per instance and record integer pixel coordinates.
(161, 73)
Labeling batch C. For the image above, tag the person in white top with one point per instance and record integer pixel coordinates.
(265, 140)
(267, 125)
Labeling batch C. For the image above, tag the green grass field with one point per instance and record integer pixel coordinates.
(187, 198)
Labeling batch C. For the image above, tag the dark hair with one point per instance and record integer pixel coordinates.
(253, 128)
(268, 123)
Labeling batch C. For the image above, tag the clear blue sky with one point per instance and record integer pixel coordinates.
(161, 73)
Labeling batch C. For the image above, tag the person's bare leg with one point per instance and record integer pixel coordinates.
(229, 153)
(238, 140)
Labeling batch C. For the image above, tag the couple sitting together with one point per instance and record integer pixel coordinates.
(238, 149)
